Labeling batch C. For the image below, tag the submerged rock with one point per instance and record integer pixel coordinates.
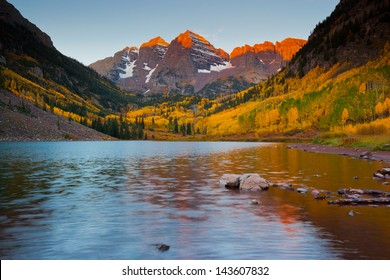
(162, 247)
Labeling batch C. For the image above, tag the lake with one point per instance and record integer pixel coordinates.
(116, 200)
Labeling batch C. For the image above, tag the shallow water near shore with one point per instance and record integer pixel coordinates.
(116, 200)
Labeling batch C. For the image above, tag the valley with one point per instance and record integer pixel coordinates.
(332, 89)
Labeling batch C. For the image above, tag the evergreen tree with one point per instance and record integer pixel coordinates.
(176, 126)
(189, 130)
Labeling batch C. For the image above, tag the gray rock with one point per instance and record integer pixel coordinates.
(37, 71)
(302, 190)
(315, 193)
(379, 175)
(366, 155)
(230, 181)
(253, 182)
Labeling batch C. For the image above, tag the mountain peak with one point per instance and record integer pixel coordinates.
(158, 41)
(130, 49)
(266, 46)
(187, 38)
(289, 46)
(9, 14)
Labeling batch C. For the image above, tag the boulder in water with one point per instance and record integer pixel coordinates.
(253, 182)
(230, 181)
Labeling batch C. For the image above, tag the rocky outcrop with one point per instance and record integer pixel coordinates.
(383, 173)
(289, 47)
(252, 182)
(260, 61)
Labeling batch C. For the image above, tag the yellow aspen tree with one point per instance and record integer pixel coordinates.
(274, 116)
(379, 108)
(344, 116)
(292, 116)
(386, 106)
(362, 88)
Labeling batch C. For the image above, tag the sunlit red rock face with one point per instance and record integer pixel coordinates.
(256, 63)
(190, 63)
(188, 56)
(289, 47)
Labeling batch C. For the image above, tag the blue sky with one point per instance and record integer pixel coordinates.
(88, 30)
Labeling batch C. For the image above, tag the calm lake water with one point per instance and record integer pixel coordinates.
(115, 200)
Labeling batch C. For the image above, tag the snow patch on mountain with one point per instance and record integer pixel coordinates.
(150, 74)
(217, 68)
(146, 67)
(204, 71)
(128, 71)
(221, 67)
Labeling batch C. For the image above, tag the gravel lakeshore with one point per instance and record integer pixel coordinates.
(356, 152)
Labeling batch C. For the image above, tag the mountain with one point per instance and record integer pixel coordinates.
(12, 16)
(33, 70)
(131, 68)
(355, 32)
(29, 52)
(335, 89)
(336, 86)
(190, 64)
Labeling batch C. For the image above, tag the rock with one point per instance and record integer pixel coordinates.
(302, 190)
(315, 193)
(349, 191)
(253, 182)
(287, 187)
(379, 175)
(244, 182)
(366, 155)
(353, 196)
(351, 213)
(386, 183)
(355, 177)
(37, 71)
(162, 247)
(382, 173)
(254, 201)
(230, 181)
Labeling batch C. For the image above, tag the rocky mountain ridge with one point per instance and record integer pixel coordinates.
(192, 65)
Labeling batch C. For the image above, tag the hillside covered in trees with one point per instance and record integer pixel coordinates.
(335, 90)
